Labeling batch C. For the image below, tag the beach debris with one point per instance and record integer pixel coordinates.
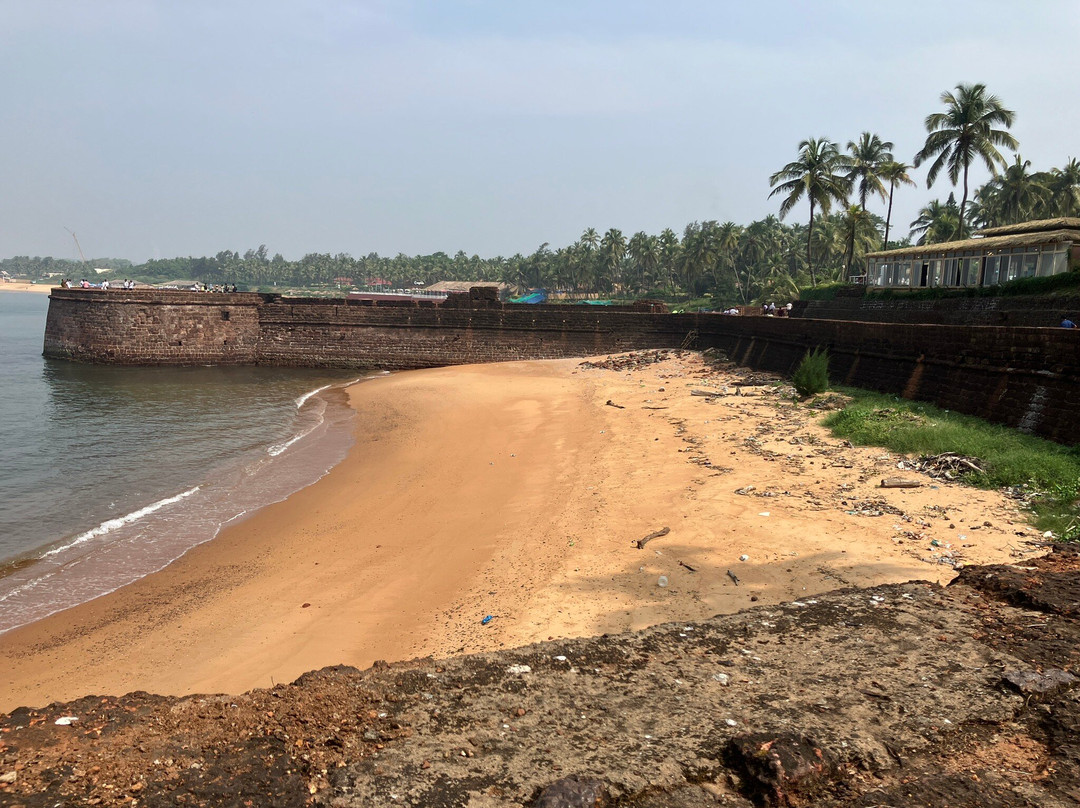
(900, 482)
(656, 534)
(304, 605)
(687, 566)
(708, 393)
(611, 403)
(66, 720)
(9, 777)
(487, 619)
(518, 670)
(733, 577)
(947, 465)
(722, 678)
(744, 557)
(662, 581)
(745, 490)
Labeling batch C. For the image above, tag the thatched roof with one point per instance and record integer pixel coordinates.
(1039, 226)
(995, 243)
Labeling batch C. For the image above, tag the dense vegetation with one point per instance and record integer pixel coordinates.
(718, 263)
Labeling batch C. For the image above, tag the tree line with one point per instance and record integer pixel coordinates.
(726, 263)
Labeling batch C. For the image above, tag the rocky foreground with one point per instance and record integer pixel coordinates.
(908, 694)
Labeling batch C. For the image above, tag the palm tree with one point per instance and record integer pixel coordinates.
(670, 250)
(612, 253)
(1014, 196)
(644, 252)
(963, 132)
(865, 161)
(1065, 188)
(814, 174)
(936, 222)
(896, 173)
(859, 230)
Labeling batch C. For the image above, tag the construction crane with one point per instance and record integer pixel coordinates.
(79, 248)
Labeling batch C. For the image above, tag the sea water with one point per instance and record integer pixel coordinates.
(109, 473)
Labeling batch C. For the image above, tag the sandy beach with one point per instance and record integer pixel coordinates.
(520, 491)
(19, 286)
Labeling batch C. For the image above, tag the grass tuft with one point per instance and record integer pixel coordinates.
(812, 375)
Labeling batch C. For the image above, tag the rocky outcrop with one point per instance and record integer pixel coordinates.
(906, 694)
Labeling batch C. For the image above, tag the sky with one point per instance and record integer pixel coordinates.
(156, 129)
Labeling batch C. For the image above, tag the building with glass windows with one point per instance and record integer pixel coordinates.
(996, 255)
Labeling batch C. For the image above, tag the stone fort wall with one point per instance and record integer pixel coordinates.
(1024, 377)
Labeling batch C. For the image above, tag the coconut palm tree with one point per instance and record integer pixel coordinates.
(1065, 188)
(865, 159)
(815, 174)
(670, 249)
(963, 132)
(896, 173)
(612, 253)
(1014, 196)
(936, 222)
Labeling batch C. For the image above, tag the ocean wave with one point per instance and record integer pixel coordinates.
(112, 524)
(303, 399)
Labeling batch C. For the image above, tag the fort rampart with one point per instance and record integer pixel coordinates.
(1024, 377)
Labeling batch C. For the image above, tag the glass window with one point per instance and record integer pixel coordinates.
(905, 273)
(1015, 264)
(991, 276)
(1031, 261)
(935, 272)
(1061, 261)
(970, 274)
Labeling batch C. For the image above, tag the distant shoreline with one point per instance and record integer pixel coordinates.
(19, 286)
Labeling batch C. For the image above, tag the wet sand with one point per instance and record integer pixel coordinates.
(517, 491)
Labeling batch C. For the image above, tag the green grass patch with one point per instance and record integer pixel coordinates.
(1047, 472)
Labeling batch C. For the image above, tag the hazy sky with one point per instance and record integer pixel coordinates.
(157, 129)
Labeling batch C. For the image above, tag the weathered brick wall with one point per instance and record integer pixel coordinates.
(414, 337)
(152, 327)
(1028, 311)
(1024, 377)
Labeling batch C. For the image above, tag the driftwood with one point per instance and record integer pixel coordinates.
(733, 577)
(708, 393)
(900, 482)
(640, 543)
(611, 403)
(687, 566)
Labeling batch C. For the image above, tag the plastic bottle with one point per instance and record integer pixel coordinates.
(662, 582)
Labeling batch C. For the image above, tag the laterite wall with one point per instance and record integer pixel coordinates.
(1025, 377)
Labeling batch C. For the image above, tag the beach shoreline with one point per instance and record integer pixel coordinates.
(19, 286)
(517, 491)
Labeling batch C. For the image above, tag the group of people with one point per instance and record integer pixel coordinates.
(105, 285)
(771, 310)
(217, 287)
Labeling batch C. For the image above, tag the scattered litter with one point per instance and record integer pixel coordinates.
(487, 619)
(745, 491)
(662, 581)
(744, 557)
(763, 513)
(722, 678)
(66, 721)
(687, 566)
(731, 722)
(733, 577)
(519, 669)
(611, 403)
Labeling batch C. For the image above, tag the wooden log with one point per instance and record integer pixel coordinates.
(900, 482)
(654, 535)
